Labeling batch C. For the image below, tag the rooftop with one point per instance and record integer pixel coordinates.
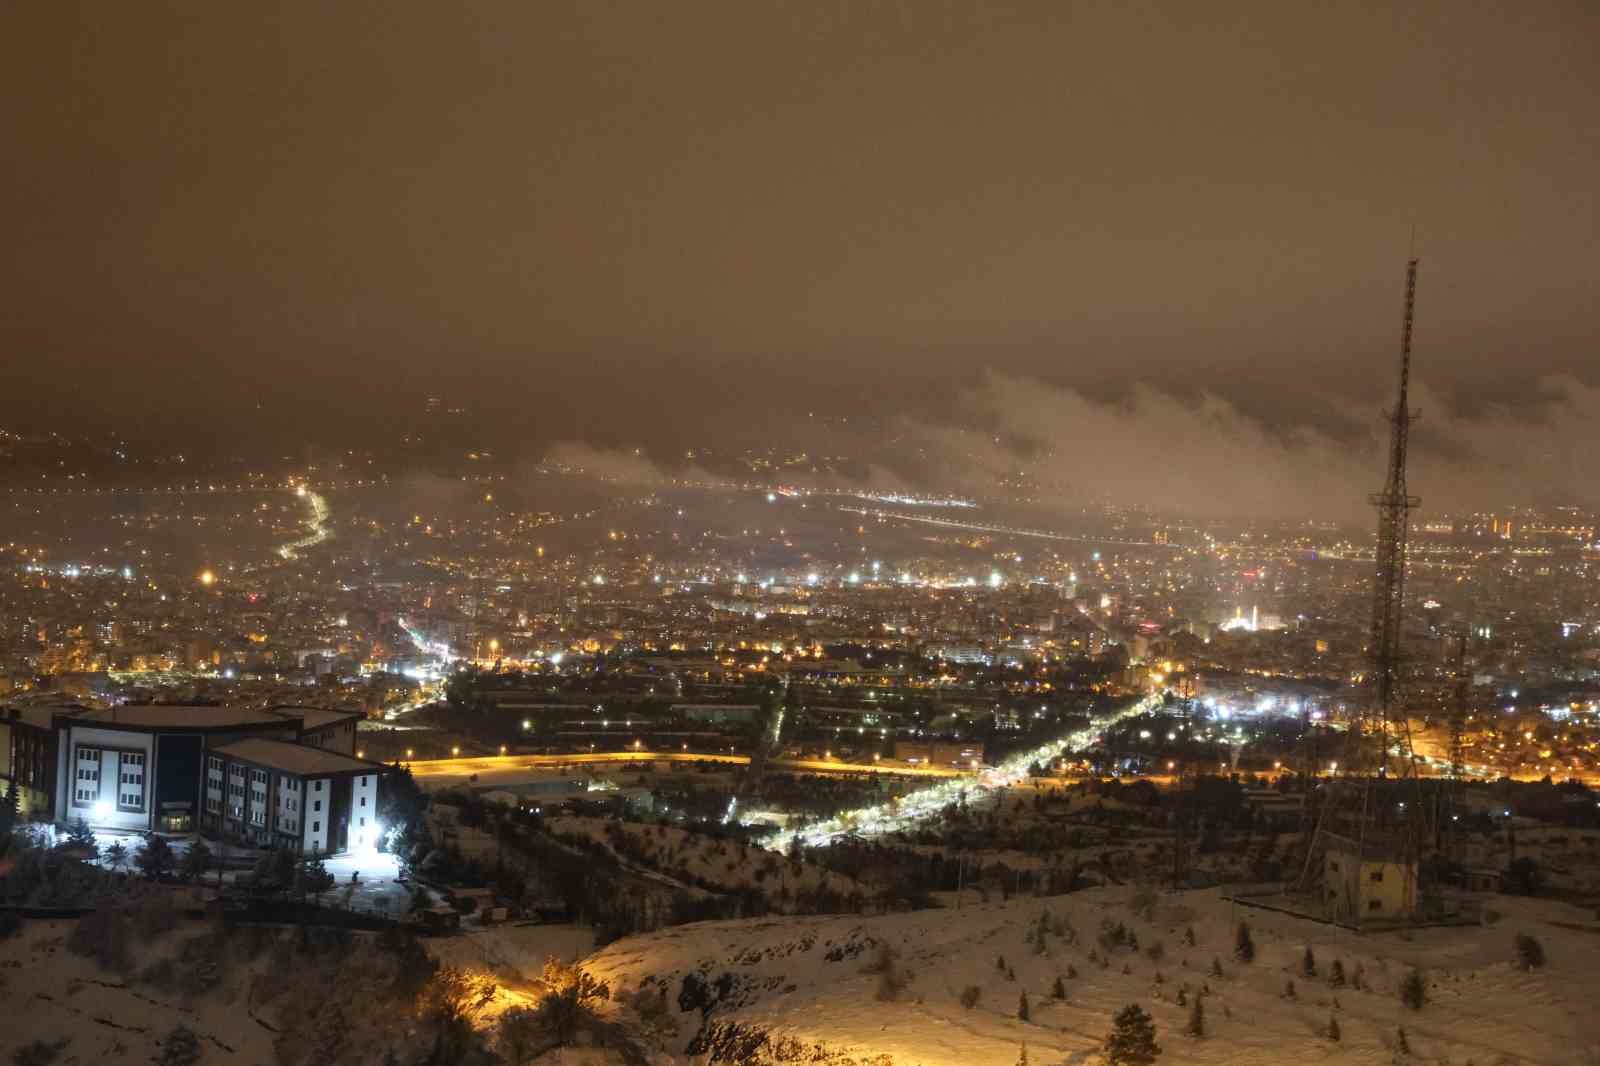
(315, 717)
(296, 759)
(173, 716)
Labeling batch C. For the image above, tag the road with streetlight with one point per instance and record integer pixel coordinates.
(500, 764)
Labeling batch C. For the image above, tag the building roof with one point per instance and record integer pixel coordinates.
(181, 718)
(296, 759)
(314, 718)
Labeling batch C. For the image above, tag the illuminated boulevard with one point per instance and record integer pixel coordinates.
(500, 764)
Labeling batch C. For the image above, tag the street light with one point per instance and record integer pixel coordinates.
(454, 751)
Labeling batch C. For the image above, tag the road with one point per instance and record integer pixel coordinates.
(899, 814)
(501, 764)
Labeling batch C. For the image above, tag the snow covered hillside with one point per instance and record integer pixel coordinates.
(899, 984)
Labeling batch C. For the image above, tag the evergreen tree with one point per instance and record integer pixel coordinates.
(1216, 966)
(1022, 1008)
(1336, 974)
(1132, 1040)
(1358, 977)
(1059, 989)
(10, 812)
(1197, 1017)
(1333, 1029)
(1183, 998)
(1402, 1046)
(1188, 935)
(196, 861)
(117, 857)
(181, 1048)
(1530, 953)
(1000, 963)
(314, 878)
(1244, 947)
(155, 857)
(1072, 971)
(1414, 990)
(1288, 989)
(1022, 1056)
(81, 835)
(1308, 963)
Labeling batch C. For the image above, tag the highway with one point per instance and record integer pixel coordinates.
(500, 765)
(905, 813)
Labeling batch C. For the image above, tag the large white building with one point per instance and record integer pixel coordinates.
(285, 776)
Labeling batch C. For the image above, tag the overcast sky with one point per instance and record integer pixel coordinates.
(638, 222)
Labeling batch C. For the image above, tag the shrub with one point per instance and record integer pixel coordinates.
(180, 1048)
(1308, 963)
(1530, 953)
(1197, 1018)
(1022, 1008)
(970, 996)
(1333, 1029)
(38, 1053)
(1059, 989)
(1336, 974)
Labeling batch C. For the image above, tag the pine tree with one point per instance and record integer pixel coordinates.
(1022, 1008)
(1132, 940)
(1308, 963)
(1288, 989)
(1333, 1029)
(1197, 1018)
(1413, 990)
(1216, 966)
(81, 835)
(10, 811)
(196, 861)
(1188, 935)
(1183, 998)
(1530, 953)
(117, 857)
(1244, 947)
(1336, 974)
(155, 857)
(1402, 1046)
(1358, 977)
(1072, 971)
(1059, 989)
(1000, 963)
(1132, 1040)
(1022, 1056)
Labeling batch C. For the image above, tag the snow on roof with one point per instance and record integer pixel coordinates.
(296, 759)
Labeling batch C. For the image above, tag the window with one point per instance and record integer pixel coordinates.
(319, 786)
(1375, 905)
(317, 806)
(363, 823)
(1333, 865)
(316, 827)
(363, 782)
(1376, 876)
(363, 801)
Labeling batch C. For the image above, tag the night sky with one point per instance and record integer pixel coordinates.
(656, 223)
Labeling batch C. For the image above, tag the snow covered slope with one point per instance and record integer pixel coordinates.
(818, 980)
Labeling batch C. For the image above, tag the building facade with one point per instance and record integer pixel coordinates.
(283, 775)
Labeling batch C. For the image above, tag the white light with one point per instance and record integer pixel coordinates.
(812, 579)
(772, 497)
(102, 811)
(994, 579)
